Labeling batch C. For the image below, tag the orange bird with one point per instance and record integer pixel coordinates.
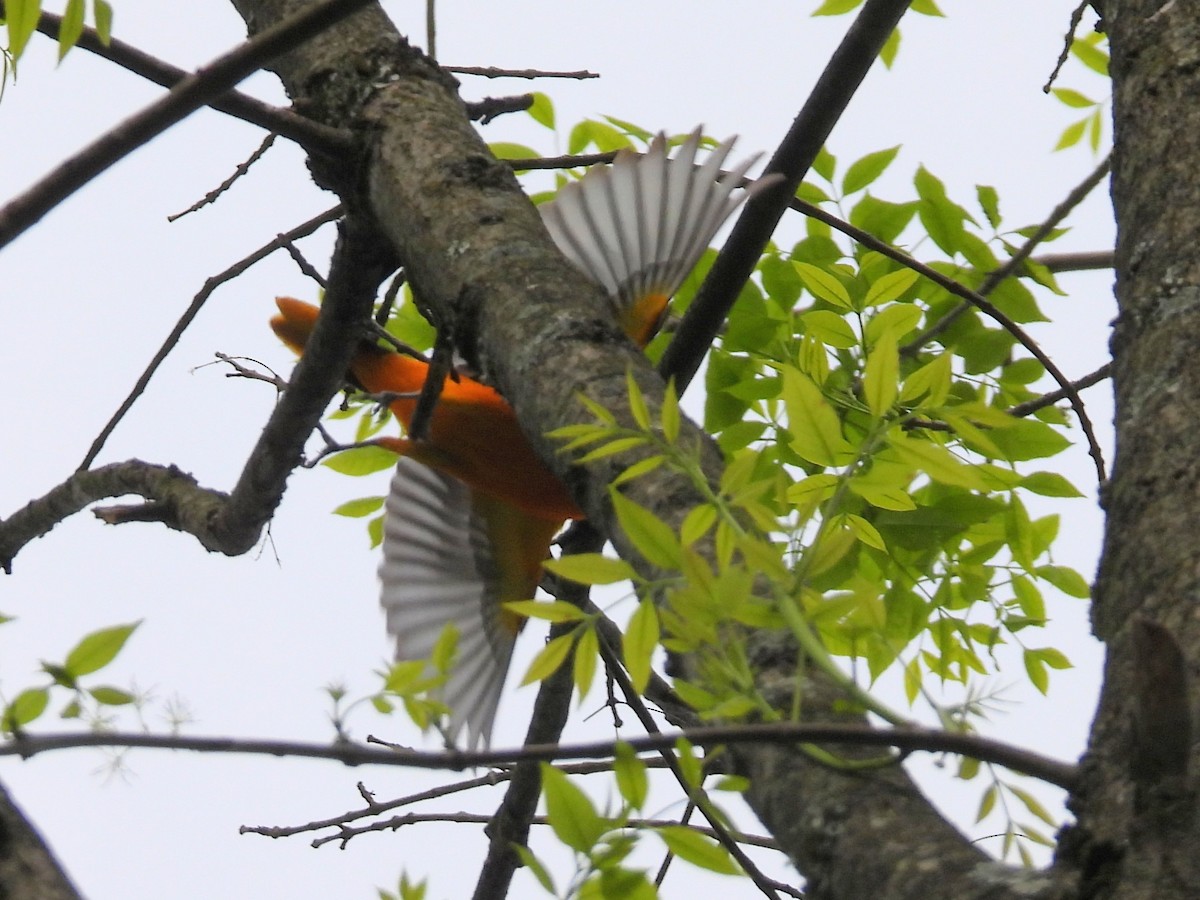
(472, 510)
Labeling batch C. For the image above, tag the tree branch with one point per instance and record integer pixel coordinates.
(786, 734)
(186, 97)
(821, 111)
(312, 136)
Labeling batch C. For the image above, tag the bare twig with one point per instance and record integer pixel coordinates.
(395, 823)
(187, 96)
(1068, 40)
(929, 740)
(487, 109)
(1049, 399)
(561, 162)
(494, 72)
(242, 169)
(191, 312)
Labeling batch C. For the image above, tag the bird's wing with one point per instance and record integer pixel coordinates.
(453, 557)
(639, 226)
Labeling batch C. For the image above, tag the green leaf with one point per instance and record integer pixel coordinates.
(641, 640)
(1035, 668)
(829, 328)
(103, 13)
(356, 509)
(933, 378)
(942, 218)
(1073, 98)
(542, 110)
(1049, 484)
(698, 849)
(881, 376)
(890, 48)
(71, 27)
(1065, 579)
(825, 164)
(823, 285)
(1071, 135)
(25, 708)
(926, 8)
(98, 649)
(21, 17)
(630, 772)
(587, 651)
(507, 150)
(882, 218)
(986, 803)
(111, 696)
(549, 659)
(865, 532)
(864, 171)
(836, 8)
(358, 461)
(590, 568)
(989, 202)
(536, 867)
(891, 287)
(937, 462)
(652, 537)
(570, 812)
(669, 414)
(813, 424)
(1029, 439)
(547, 610)
(637, 401)
(1085, 50)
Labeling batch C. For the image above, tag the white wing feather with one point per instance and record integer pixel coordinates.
(639, 226)
(438, 569)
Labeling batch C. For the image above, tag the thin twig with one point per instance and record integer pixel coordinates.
(191, 312)
(487, 109)
(312, 136)
(561, 162)
(1032, 406)
(183, 99)
(976, 300)
(1077, 195)
(695, 793)
(1068, 40)
(930, 740)
(242, 169)
(346, 833)
(494, 72)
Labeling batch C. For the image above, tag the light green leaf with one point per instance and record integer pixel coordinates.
(1066, 580)
(864, 171)
(71, 27)
(542, 110)
(937, 462)
(652, 537)
(570, 812)
(21, 17)
(25, 708)
(590, 568)
(111, 696)
(881, 376)
(549, 659)
(98, 649)
(892, 286)
(630, 771)
(358, 461)
(507, 150)
(641, 640)
(865, 532)
(536, 867)
(547, 610)
(356, 509)
(813, 424)
(103, 13)
(823, 284)
(1073, 98)
(1049, 484)
(829, 328)
(587, 652)
(933, 379)
(698, 849)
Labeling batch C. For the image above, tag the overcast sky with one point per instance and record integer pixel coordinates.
(247, 644)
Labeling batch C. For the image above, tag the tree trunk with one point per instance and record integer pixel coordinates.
(1138, 835)
(28, 870)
